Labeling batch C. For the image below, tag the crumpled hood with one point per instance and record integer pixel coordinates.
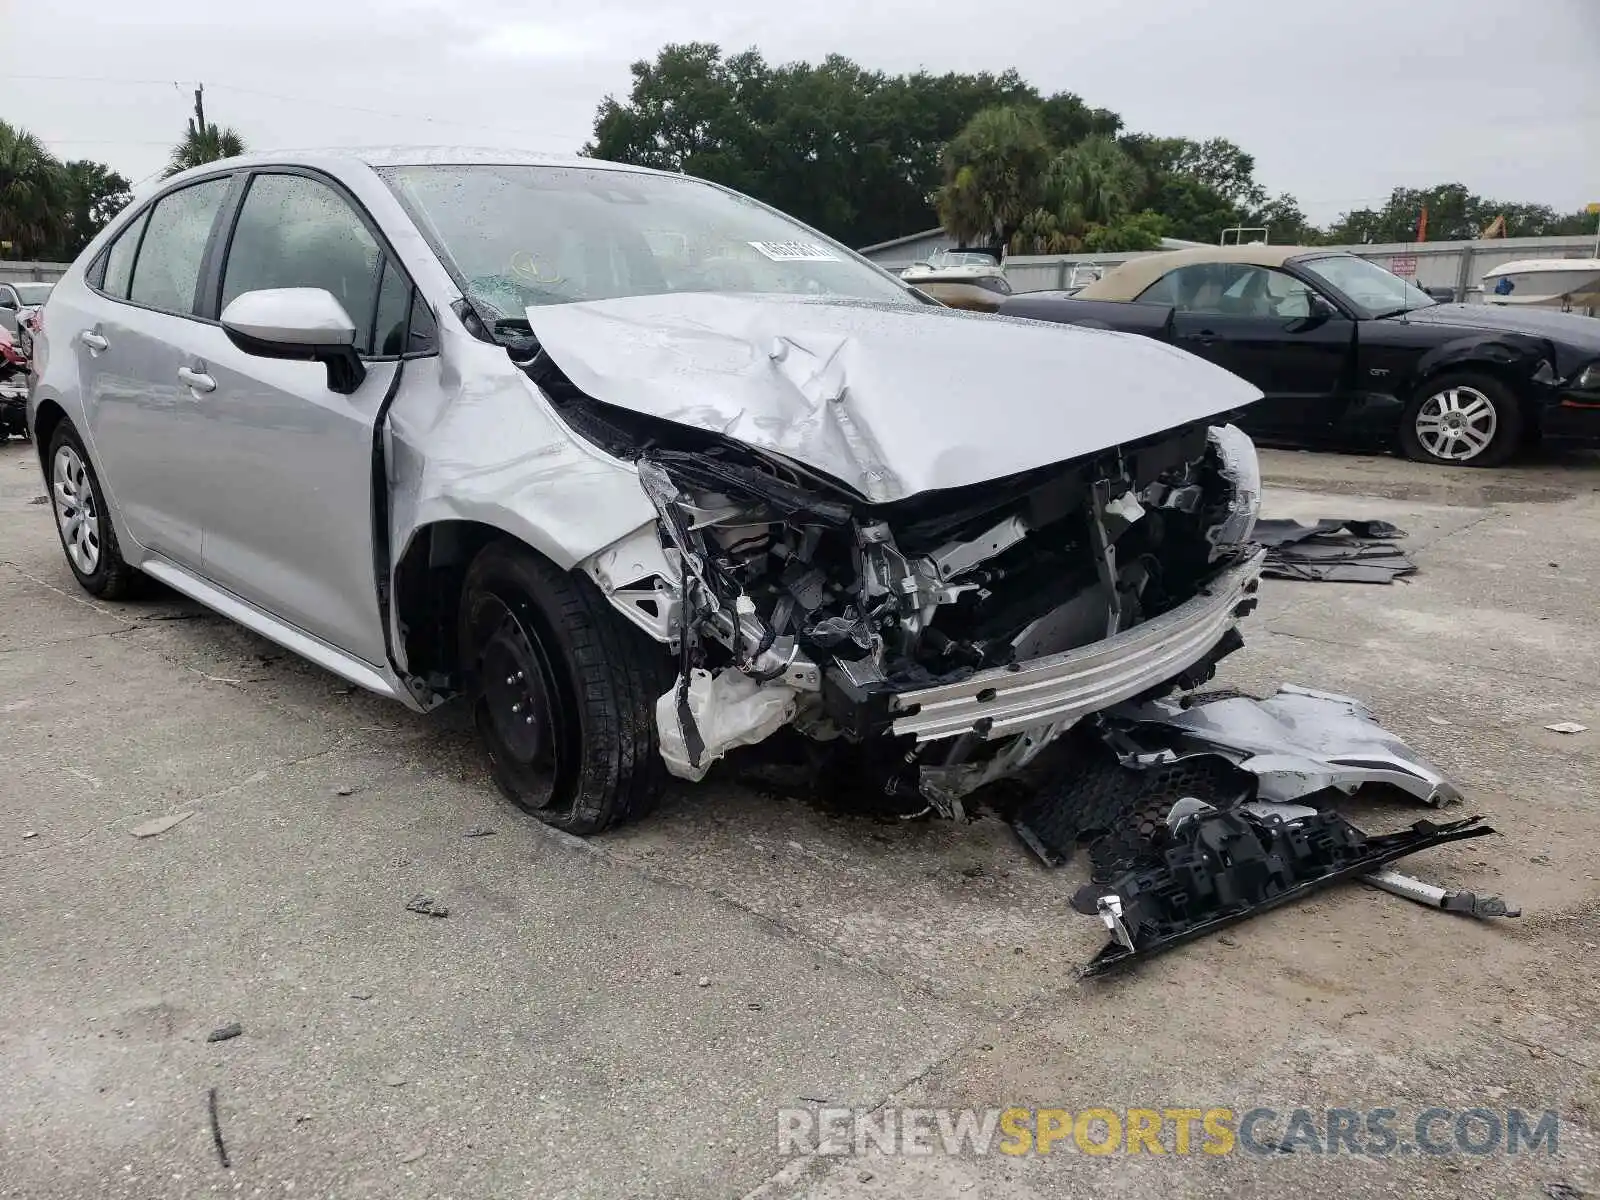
(889, 400)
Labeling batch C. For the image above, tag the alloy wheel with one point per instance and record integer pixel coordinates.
(77, 510)
(1457, 424)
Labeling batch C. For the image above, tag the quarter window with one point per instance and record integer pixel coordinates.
(166, 274)
(119, 258)
(298, 232)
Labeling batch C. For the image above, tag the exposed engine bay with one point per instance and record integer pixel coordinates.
(790, 600)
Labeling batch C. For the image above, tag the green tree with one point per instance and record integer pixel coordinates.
(852, 151)
(32, 203)
(1454, 214)
(1068, 120)
(1093, 183)
(1135, 231)
(994, 173)
(204, 143)
(93, 193)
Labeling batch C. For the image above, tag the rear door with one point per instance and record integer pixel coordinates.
(289, 509)
(144, 419)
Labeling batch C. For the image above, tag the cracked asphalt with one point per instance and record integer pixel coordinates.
(625, 1017)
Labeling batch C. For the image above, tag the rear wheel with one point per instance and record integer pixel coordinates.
(83, 521)
(562, 691)
(1463, 419)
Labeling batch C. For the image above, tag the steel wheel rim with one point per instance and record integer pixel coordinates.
(518, 714)
(1457, 424)
(77, 510)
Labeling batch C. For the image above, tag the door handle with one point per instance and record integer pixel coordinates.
(93, 341)
(198, 380)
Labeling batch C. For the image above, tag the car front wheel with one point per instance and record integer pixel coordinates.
(562, 690)
(83, 522)
(1466, 420)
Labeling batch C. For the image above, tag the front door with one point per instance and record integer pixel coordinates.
(289, 519)
(1271, 329)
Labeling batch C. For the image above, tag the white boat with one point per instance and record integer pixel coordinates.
(961, 279)
(1554, 282)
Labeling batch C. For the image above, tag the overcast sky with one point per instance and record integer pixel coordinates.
(1338, 101)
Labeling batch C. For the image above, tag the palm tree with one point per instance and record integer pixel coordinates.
(32, 206)
(1093, 183)
(204, 144)
(993, 171)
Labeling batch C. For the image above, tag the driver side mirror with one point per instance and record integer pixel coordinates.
(304, 324)
(1319, 308)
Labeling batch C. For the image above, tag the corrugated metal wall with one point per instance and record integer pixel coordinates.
(31, 272)
(1457, 265)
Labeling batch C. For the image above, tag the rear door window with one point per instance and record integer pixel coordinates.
(166, 273)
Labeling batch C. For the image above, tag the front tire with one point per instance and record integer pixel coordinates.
(563, 692)
(1462, 419)
(83, 521)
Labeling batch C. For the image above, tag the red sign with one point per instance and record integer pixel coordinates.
(1404, 264)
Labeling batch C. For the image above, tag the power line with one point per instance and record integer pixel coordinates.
(279, 96)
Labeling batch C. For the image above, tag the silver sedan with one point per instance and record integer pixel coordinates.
(638, 468)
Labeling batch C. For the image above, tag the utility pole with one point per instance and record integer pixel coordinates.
(199, 109)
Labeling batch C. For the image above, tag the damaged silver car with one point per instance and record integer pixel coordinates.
(639, 467)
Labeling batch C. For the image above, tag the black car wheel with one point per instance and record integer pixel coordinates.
(562, 690)
(1463, 419)
(83, 522)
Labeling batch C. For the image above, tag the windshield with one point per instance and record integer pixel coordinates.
(530, 235)
(1368, 284)
(33, 293)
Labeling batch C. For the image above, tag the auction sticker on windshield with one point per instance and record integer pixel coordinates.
(796, 252)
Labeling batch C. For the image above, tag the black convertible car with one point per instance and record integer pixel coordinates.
(1347, 353)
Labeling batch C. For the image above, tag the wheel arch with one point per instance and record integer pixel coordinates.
(1511, 359)
(47, 419)
(427, 580)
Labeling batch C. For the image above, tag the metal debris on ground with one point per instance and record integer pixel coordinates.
(1295, 742)
(227, 1032)
(40, 500)
(427, 906)
(160, 824)
(1432, 896)
(1202, 812)
(1218, 867)
(478, 833)
(1336, 551)
(1567, 727)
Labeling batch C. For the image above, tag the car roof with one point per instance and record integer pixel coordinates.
(405, 156)
(1135, 275)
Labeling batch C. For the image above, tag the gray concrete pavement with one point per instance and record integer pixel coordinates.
(552, 1037)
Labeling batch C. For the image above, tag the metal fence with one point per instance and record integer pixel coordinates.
(31, 272)
(1458, 266)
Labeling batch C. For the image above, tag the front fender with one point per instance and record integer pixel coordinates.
(1517, 358)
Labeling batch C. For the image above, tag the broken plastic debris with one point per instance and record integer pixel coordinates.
(160, 824)
(226, 1033)
(427, 906)
(1567, 727)
(728, 709)
(31, 833)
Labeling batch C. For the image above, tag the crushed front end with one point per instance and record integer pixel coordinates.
(958, 631)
